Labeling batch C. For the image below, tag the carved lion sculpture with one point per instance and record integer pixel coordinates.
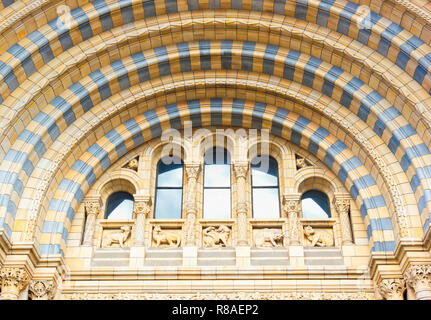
(119, 236)
(214, 237)
(165, 237)
(268, 237)
(320, 238)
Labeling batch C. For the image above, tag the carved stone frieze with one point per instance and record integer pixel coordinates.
(119, 237)
(319, 238)
(268, 237)
(216, 236)
(169, 238)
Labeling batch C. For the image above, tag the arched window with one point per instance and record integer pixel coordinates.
(315, 204)
(265, 189)
(169, 188)
(119, 206)
(217, 196)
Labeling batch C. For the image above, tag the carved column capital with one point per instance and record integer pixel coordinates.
(418, 277)
(13, 280)
(391, 289)
(291, 205)
(192, 170)
(142, 205)
(41, 289)
(92, 205)
(241, 169)
(342, 205)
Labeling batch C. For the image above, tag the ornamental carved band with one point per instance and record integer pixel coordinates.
(13, 280)
(392, 289)
(41, 289)
(418, 277)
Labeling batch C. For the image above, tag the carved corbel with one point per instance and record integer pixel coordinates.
(92, 207)
(392, 289)
(141, 210)
(41, 289)
(13, 281)
(418, 277)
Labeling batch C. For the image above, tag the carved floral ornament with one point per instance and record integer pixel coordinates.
(92, 206)
(41, 289)
(142, 206)
(418, 276)
(392, 289)
(13, 278)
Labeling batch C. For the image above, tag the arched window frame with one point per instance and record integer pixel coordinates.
(205, 187)
(329, 207)
(157, 188)
(107, 208)
(260, 187)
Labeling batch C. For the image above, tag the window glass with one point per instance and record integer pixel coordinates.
(119, 206)
(217, 195)
(265, 190)
(315, 204)
(169, 190)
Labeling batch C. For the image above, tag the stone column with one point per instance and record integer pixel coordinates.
(343, 206)
(141, 209)
(13, 281)
(291, 208)
(241, 169)
(392, 289)
(418, 277)
(41, 289)
(92, 209)
(192, 171)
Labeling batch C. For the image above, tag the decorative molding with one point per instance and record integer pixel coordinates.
(298, 295)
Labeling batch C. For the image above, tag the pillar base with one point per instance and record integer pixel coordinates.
(243, 254)
(296, 255)
(190, 256)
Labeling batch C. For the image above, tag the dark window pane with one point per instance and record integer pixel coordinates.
(217, 204)
(315, 204)
(119, 206)
(266, 203)
(168, 204)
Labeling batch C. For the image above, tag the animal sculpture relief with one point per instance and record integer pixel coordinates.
(119, 236)
(160, 237)
(320, 238)
(133, 164)
(268, 237)
(215, 237)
